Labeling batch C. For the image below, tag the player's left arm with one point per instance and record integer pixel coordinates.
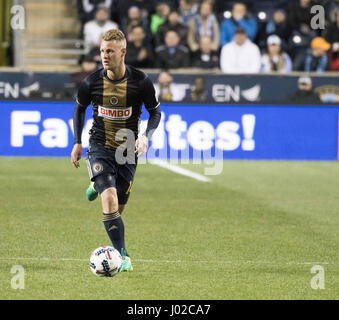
(153, 107)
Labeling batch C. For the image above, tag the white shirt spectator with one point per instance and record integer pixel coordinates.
(235, 58)
(93, 32)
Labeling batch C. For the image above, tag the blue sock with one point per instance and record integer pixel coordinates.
(115, 229)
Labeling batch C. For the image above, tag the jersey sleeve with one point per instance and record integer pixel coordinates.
(148, 95)
(83, 97)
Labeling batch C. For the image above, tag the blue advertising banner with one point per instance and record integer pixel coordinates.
(186, 131)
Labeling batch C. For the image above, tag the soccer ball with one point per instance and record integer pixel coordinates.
(105, 262)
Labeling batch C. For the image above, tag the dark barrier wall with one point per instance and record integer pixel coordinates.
(219, 89)
(186, 131)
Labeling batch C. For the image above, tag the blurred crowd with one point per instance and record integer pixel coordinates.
(233, 36)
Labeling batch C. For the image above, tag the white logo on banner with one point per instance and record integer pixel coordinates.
(227, 93)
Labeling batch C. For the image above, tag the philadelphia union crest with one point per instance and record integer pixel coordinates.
(97, 167)
(114, 100)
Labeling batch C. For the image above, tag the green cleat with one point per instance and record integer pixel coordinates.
(91, 194)
(126, 265)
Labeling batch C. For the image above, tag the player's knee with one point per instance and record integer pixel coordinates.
(109, 200)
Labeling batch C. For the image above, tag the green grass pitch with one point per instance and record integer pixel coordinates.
(253, 232)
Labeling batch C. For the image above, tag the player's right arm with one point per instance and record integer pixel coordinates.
(82, 101)
(153, 107)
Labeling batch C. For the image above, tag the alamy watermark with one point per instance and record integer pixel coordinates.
(318, 18)
(208, 153)
(18, 280)
(318, 281)
(18, 17)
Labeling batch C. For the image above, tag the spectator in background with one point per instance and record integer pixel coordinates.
(139, 52)
(172, 23)
(275, 60)
(206, 58)
(174, 4)
(241, 19)
(172, 55)
(167, 90)
(305, 93)
(94, 29)
(161, 15)
(88, 8)
(331, 10)
(299, 16)
(314, 58)
(94, 55)
(334, 57)
(88, 64)
(187, 10)
(134, 18)
(240, 55)
(331, 34)
(165, 81)
(251, 5)
(277, 25)
(212, 2)
(299, 21)
(198, 93)
(146, 7)
(203, 24)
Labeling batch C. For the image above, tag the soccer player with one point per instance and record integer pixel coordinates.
(116, 92)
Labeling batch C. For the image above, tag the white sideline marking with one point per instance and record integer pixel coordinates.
(179, 170)
(178, 261)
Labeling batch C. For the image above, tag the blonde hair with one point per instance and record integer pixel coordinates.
(114, 34)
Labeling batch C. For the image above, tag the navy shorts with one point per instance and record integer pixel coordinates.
(102, 162)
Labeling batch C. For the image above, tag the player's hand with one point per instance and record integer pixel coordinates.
(141, 146)
(76, 155)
